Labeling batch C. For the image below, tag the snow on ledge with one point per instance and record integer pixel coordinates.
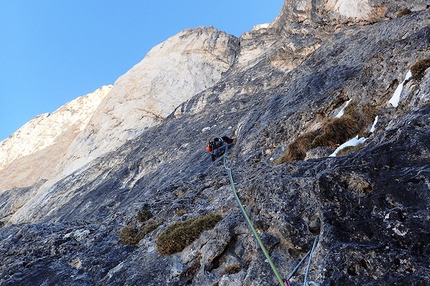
(396, 97)
(351, 143)
(340, 114)
(373, 128)
(355, 141)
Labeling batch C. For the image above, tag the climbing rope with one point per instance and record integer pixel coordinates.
(306, 283)
(257, 237)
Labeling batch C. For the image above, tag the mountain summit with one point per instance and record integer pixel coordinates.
(329, 109)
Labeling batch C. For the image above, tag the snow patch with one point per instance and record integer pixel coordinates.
(342, 111)
(396, 97)
(399, 232)
(205, 129)
(372, 129)
(351, 143)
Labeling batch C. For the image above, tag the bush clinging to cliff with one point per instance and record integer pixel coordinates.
(181, 234)
(419, 67)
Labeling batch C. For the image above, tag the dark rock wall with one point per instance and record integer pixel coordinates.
(369, 207)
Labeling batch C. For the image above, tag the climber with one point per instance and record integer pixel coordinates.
(218, 146)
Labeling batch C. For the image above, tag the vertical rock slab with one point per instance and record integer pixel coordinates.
(171, 73)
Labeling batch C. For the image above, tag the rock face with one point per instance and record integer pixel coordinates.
(171, 73)
(281, 92)
(24, 155)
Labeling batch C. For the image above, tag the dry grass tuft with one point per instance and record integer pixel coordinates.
(130, 235)
(181, 234)
(181, 212)
(419, 68)
(231, 269)
(335, 131)
(403, 12)
(144, 215)
(298, 148)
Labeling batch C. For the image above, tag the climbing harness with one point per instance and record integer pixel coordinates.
(257, 237)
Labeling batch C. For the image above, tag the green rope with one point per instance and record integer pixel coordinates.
(266, 253)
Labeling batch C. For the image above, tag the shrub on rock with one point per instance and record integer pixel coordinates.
(419, 68)
(181, 234)
(144, 215)
(130, 235)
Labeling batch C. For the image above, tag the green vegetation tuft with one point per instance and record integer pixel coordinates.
(181, 234)
(419, 68)
(144, 215)
(130, 235)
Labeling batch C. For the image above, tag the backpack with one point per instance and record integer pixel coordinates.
(217, 143)
(227, 139)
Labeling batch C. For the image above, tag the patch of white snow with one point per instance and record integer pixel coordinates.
(340, 114)
(351, 143)
(396, 97)
(372, 129)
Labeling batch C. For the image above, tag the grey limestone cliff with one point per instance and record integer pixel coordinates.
(369, 206)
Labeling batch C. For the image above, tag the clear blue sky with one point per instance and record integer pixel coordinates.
(53, 51)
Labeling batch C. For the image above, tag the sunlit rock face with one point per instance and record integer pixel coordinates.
(298, 14)
(171, 73)
(33, 152)
(356, 10)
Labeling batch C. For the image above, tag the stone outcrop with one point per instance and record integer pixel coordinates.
(369, 206)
